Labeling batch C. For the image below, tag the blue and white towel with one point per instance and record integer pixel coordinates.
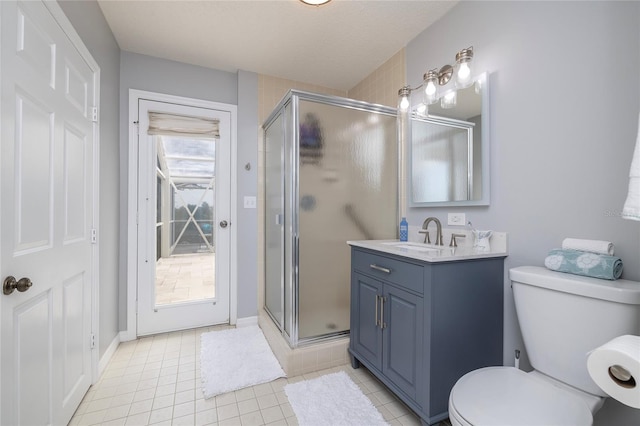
(584, 263)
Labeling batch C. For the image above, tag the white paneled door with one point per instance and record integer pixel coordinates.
(46, 214)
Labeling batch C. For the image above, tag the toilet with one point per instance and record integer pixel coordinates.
(562, 318)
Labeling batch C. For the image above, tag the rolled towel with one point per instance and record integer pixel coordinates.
(584, 263)
(592, 246)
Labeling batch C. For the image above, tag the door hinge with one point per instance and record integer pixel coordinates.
(94, 236)
(92, 341)
(94, 114)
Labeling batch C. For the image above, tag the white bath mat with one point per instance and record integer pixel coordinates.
(236, 358)
(333, 400)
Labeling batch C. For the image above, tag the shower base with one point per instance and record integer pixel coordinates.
(306, 359)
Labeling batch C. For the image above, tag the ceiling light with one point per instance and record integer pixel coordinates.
(315, 2)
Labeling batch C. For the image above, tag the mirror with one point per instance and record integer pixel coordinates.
(450, 151)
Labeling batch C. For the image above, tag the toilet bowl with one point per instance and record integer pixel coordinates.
(562, 318)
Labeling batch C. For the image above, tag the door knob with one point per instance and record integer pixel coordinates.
(10, 284)
(223, 224)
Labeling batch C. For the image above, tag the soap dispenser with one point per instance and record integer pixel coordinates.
(404, 230)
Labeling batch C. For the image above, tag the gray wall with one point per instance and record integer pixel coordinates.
(174, 78)
(88, 21)
(564, 115)
(247, 185)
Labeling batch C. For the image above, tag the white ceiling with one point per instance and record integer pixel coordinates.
(335, 45)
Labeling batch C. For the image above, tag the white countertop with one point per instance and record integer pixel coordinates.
(431, 253)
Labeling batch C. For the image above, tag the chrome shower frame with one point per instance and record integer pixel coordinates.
(287, 320)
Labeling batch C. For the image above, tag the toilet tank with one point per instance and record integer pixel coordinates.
(563, 317)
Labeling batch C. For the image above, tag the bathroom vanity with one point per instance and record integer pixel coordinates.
(423, 317)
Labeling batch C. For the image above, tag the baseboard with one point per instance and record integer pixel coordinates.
(125, 336)
(108, 354)
(246, 322)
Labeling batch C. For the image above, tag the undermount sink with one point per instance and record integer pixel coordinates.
(414, 246)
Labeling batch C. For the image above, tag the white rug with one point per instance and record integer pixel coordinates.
(234, 359)
(332, 400)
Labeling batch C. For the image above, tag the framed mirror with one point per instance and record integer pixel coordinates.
(450, 151)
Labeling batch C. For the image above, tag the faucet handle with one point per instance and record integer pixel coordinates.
(427, 240)
(453, 242)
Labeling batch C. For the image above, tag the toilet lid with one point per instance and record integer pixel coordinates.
(508, 396)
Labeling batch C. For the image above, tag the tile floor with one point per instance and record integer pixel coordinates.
(185, 277)
(156, 380)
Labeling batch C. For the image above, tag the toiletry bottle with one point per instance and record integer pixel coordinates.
(404, 230)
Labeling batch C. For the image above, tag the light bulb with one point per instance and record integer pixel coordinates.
(463, 65)
(430, 90)
(449, 100)
(464, 72)
(430, 80)
(421, 109)
(404, 103)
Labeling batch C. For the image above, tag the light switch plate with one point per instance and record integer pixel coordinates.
(456, 219)
(249, 202)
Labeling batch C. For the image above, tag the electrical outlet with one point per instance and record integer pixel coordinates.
(456, 219)
(249, 202)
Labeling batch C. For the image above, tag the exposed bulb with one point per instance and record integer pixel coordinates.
(430, 90)
(404, 103)
(464, 72)
(449, 100)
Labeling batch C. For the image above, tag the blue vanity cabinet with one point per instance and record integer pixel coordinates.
(420, 326)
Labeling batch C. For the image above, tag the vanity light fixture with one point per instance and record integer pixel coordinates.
(435, 83)
(315, 2)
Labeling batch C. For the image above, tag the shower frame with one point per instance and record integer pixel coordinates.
(291, 194)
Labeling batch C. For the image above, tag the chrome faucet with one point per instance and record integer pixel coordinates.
(424, 230)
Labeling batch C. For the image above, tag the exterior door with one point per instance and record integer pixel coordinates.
(47, 215)
(184, 206)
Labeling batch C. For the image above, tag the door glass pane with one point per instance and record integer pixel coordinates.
(186, 217)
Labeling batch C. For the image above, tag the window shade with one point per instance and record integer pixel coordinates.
(161, 123)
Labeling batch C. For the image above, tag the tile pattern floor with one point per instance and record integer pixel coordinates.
(185, 277)
(156, 380)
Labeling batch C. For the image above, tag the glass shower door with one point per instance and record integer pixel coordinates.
(347, 177)
(274, 220)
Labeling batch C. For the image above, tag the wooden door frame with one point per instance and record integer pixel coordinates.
(132, 202)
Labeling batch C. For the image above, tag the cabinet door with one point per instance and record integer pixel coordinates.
(366, 334)
(403, 334)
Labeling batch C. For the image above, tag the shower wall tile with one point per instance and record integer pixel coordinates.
(382, 85)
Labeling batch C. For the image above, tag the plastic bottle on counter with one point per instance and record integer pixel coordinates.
(404, 230)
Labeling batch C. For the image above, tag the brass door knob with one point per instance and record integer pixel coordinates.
(10, 284)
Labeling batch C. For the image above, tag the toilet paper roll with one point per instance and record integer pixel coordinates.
(615, 368)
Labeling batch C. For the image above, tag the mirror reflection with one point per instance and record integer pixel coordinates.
(450, 152)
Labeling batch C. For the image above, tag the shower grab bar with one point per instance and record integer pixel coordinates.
(380, 268)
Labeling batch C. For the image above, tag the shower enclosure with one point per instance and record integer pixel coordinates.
(331, 175)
